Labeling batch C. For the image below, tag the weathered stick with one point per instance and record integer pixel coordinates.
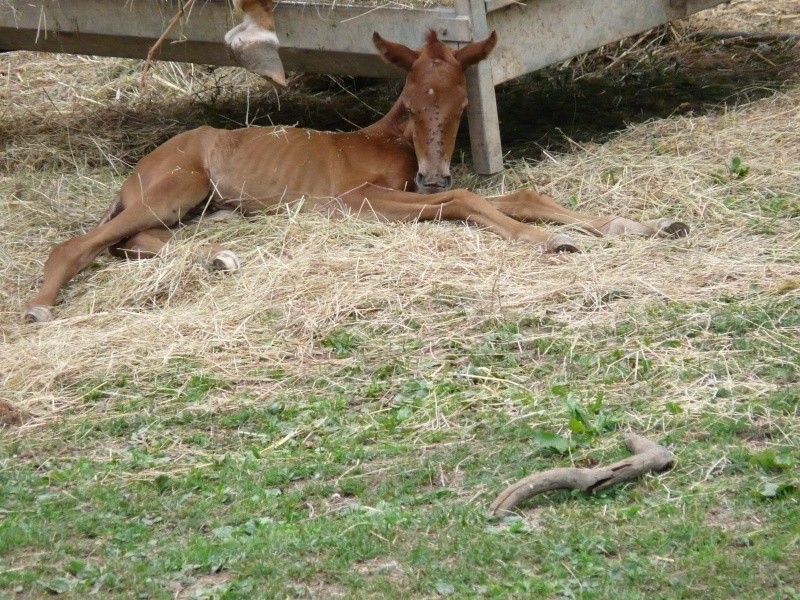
(160, 41)
(647, 456)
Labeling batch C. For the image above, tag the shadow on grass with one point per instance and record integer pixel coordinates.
(540, 112)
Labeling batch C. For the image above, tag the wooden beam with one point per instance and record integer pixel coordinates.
(314, 38)
(484, 124)
(333, 38)
(546, 32)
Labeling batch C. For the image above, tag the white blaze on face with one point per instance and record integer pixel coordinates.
(431, 145)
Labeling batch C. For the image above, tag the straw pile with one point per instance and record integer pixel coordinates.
(72, 127)
(752, 16)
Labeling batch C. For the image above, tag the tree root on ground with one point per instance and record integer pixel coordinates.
(647, 456)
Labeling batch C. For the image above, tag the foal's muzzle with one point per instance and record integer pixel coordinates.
(431, 184)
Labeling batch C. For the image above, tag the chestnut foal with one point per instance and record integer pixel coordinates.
(397, 169)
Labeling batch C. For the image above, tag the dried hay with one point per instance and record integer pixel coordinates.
(72, 126)
(743, 23)
(753, 16)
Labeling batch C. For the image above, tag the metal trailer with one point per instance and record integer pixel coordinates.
(321, 37)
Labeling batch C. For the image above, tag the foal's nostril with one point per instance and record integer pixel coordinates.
(433, 182)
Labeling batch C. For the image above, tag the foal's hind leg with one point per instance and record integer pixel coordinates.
(530, 206)
(145, 244)
(149, 243)
(69, 258)
(167, 184)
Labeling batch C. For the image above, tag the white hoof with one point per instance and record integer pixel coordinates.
(256, 49)
(670, 228)
(561, 243)
(225, 261)
(37, 314)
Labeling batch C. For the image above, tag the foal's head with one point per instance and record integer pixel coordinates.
(434, 98)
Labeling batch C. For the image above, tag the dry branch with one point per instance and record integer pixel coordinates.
(160, 41)
(647, 456)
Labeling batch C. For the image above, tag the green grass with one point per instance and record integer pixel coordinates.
(373, 480)
(330, 439)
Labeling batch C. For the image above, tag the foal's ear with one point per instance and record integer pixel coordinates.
(476, 51)
(395, 54)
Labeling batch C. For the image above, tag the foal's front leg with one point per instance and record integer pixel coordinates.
(528, 206)
(372, 201)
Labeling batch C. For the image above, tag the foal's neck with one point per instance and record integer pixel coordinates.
(392, 124)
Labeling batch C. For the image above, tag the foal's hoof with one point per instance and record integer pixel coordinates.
(561, 243)
(669, 228)
(37, 314)
(225, 261)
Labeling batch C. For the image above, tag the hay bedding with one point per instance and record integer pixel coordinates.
(756, 16)
(305, 277)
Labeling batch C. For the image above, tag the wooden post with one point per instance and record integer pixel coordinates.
(484, 125)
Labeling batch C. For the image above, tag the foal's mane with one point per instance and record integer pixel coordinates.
(434, 47)
(431, 37)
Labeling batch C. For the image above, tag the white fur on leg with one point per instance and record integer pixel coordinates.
(669, 228)
(233, 33)
(222, 215)
(656, 228)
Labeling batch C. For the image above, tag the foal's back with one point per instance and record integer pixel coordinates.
(255, 167)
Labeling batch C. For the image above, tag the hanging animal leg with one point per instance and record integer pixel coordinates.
(253, 43)
(529, 206)
(371, 201)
